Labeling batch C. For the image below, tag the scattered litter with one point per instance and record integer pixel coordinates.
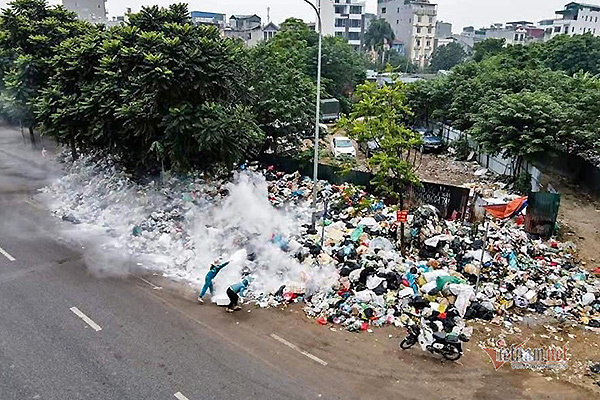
(355, 276)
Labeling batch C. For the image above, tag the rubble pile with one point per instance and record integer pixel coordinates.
(351, 271)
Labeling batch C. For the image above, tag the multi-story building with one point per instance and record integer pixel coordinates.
(208, 18)
(344, 18)
(413, 22)
(249, 29)
(245, 27)
(443, 29)
(575, 19)
(88, 10)
(518, 32)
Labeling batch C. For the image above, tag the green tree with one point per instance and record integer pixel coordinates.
(572, 53)
(157, 91)
(488, 48)
(283, 95)
(446, 57)
(30, 31)
(343, 68)
(378, 37)
(379, 116)
(519, 125)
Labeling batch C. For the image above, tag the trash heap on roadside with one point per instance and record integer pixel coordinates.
(351, 272)
(377, 285)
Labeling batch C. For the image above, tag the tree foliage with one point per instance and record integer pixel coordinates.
(159, 91)
(519, 100)
(378, 35)
(342, 67)
(379, 116)
(30, 31)
(155, 91)
(446, 57)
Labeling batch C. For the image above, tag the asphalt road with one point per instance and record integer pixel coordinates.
(65, 334)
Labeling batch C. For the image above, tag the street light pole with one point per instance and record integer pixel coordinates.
(317, 9)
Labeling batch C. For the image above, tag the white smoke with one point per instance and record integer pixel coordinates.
(181, 227)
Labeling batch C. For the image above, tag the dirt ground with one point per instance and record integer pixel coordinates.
(579, 214)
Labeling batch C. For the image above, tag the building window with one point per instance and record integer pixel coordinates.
(430, 30)
(596, 19)
(355, 10)
(339, 34)
(383, 10)
(265, 37)
(339, 9)
(516, 37)
(355, 23)
(419, 18)
(418, 29)
(429, 43)
(353, 36)
(418, 42)
(557, 29)
(397, 22)
(249, 36)
(340, 23)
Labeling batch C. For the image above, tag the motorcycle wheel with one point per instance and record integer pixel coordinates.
(451, 353)
(408, 342)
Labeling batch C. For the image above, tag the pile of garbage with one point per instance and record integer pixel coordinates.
(350, 271)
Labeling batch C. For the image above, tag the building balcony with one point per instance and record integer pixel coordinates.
(426, 11)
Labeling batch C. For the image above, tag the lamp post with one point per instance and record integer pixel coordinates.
(317, 9)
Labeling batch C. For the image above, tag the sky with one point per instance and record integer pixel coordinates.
(478, 13)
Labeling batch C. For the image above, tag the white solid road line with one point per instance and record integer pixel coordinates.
(298, 349)
(86, 319)
(180, 396)
(5, 254)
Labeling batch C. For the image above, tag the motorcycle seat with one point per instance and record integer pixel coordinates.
(452, 339)
(439, 335)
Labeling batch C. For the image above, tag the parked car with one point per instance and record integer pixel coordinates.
(431, 142)
(341, 145)
(369, 148)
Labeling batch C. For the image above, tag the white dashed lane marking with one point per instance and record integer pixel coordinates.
(298, 349)
(86, 319)
(5, 254)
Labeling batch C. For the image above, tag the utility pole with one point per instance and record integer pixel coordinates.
(317, 9)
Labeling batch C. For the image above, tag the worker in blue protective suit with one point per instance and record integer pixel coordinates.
(215, 268)
(234, 292)
(411, 276)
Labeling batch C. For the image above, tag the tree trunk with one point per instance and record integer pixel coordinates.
(74, 153)
(32, 135)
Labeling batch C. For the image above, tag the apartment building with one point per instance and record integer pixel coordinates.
(575, 19)
(208, 18)
(344, 18)
(414, 24)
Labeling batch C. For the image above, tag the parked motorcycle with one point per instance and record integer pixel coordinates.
(447, 344)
